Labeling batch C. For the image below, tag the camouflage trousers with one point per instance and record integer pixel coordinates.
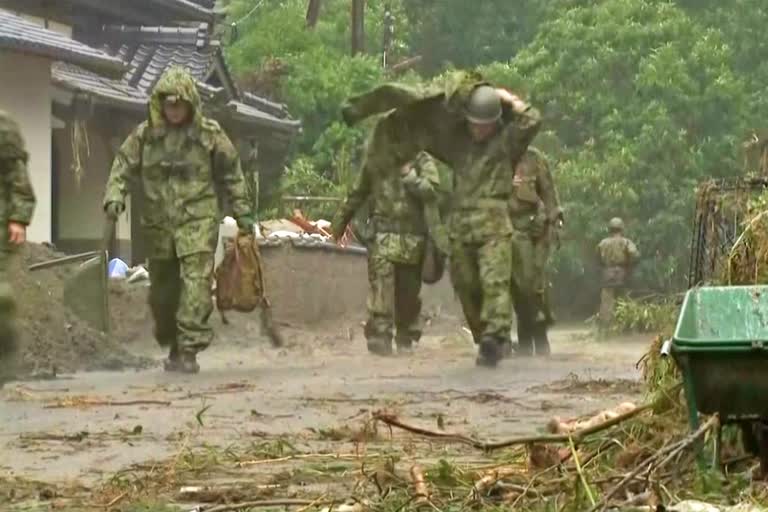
(8, 334)
(181, 302)
(608, 296)
(529, 272)
(529, 290)
(394, 305)
(481, 274)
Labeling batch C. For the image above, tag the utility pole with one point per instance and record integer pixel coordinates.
(388, 35)
(358, 26)
(313, 13)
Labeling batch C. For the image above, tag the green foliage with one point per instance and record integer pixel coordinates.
(644, 316)
(644, 101)
(313, 74)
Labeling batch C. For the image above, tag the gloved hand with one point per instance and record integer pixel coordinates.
(114, 209)
(337, 231)
(246, 225)
(538, 226)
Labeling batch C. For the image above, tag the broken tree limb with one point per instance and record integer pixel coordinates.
(664, 455)
(420, 489)
(262, 504)
(577, 436)
(87, 402)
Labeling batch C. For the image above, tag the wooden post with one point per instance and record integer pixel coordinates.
(358, 26)
(313, 13)
(388, 35)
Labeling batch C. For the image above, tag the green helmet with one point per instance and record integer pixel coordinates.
(616, 224)
(484, 105)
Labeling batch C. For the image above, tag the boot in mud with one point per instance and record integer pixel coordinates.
(380, 346)
(541, 339)
(404, 346)
(490, 352)
(173, 362)
(188, 363)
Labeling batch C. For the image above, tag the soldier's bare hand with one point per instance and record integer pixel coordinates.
(512, 99)
(404, 170)
(17, 233)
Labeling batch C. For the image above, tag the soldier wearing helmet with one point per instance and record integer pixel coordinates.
(481, 133)
(617, 256)
(488, 146)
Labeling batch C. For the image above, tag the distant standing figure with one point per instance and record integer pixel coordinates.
(17, 204)
(617, 255)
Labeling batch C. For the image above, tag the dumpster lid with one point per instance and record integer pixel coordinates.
(723, 317)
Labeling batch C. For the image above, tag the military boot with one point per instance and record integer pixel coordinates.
(380, 345)
(188, 363)
(173, 362)
(541, 340)
(404, 344)
(490, 352)
(524, 340)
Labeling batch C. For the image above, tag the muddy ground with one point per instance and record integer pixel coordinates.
(256, 419)
(316, 395)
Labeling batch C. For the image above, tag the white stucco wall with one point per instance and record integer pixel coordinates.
(25, 92)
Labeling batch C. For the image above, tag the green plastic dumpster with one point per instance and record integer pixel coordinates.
(721, 347)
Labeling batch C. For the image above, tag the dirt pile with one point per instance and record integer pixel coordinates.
(51, 336)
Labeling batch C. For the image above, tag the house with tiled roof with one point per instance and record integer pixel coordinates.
(93, 105)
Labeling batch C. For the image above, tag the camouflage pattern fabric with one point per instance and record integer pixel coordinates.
(481, 276)
(397, 203)
(181, 170)
(17, 204)
(394, 306)
(617, 255)
(534, 206)
(480, 223)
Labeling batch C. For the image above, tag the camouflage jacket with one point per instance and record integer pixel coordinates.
(17, 199)
(533, 187)
(396, 201)
(181, 170)
(482, 172)
(617, 251)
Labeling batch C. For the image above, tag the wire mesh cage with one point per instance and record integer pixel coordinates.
(723, 208)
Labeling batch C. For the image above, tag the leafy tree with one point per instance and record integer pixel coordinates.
(643, 101)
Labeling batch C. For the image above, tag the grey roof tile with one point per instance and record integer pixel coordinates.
(21, 35)
(148, 52)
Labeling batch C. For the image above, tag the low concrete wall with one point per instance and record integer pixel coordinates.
(316, 287)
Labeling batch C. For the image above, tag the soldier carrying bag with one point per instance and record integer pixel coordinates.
(240, 283)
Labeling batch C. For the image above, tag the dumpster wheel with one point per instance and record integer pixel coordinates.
(755, 440)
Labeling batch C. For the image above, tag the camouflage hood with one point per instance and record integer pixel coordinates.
(175, 81)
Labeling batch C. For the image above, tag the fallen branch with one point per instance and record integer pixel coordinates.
(80, 436)
(74, 402)
(334, 456)
(263, 504)
(664, 455)
(420, 489)
(484, 484)
(576, 437)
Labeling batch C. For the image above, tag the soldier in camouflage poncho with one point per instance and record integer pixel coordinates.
(17, 204)
(182, 160)
(398, 201)
(617, 255)
(536, 213)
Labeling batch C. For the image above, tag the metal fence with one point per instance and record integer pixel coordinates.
(721, 208)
